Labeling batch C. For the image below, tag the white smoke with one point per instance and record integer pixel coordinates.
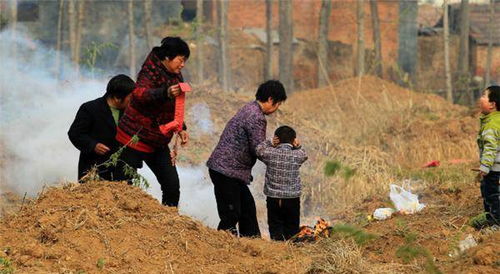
(36, 111)
(197, 193)
(200, 115)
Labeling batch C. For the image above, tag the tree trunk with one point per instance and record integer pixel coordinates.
(147, 23)
(13, 15)
(218, 51)
(223, 45)
(59, 38)
(268, 64)
(72, 29)
(360, 11)
(78, 38)
(489, 55)
(199, 40)
(323, 65)
(13, 25)
(408, 44)
(376, 38)
(131, 38)
(463, 53)
(286, 44)
(446, 33)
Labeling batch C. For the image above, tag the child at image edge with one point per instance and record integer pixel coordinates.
(283, 157)
(488, 141)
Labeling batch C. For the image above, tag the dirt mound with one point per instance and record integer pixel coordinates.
(9, 203)
(118, 228)
(371, 111)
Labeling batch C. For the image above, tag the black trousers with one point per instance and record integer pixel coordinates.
(159, 162)
(490, 191)
(112, 173)
(283, 217)
(235, 205)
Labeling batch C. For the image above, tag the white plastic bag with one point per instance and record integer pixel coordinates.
(382, 213)
(404, 201)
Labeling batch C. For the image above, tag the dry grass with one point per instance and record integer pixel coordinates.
(378, 130)
(340, 256)
(345, 256)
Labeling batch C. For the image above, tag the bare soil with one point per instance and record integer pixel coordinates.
(113, 227)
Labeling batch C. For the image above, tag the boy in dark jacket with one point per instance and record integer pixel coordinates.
(282, 186)
(94, 128)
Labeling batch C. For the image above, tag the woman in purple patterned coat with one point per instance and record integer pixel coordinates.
(231, 162)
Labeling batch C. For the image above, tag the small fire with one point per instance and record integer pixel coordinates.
(308, 234)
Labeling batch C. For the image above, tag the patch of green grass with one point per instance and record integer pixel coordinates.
(348, 172)
(477, 220)
(100, 263)
(331, 167)
(360, 236)
(431, 116)
(411, 250)
(6, 266)
(401, 228)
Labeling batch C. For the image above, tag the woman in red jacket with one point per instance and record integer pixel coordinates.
(151, 106)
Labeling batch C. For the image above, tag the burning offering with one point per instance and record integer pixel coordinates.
(322, 229)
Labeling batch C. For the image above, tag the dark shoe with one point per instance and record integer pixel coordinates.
(478, 222)
(483, 220)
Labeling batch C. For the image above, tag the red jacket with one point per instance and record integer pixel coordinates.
(149, 106)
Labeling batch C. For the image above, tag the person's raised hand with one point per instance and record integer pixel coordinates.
(101, 149)
(184, 137)
(275, 141)
(296, 143)
(173, 157)
(174, 91)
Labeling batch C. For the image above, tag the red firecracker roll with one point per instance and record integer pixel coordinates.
(176, 124)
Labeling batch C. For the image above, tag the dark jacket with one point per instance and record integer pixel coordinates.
(150, 105)
(93, 124)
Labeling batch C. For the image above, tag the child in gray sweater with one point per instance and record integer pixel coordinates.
(283, 158)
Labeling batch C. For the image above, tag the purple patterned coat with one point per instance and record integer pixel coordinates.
(234, 156)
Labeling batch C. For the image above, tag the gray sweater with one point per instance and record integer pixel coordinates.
(282, 173)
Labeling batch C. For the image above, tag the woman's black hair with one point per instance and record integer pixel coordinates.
(172, 47)
(273, 89)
